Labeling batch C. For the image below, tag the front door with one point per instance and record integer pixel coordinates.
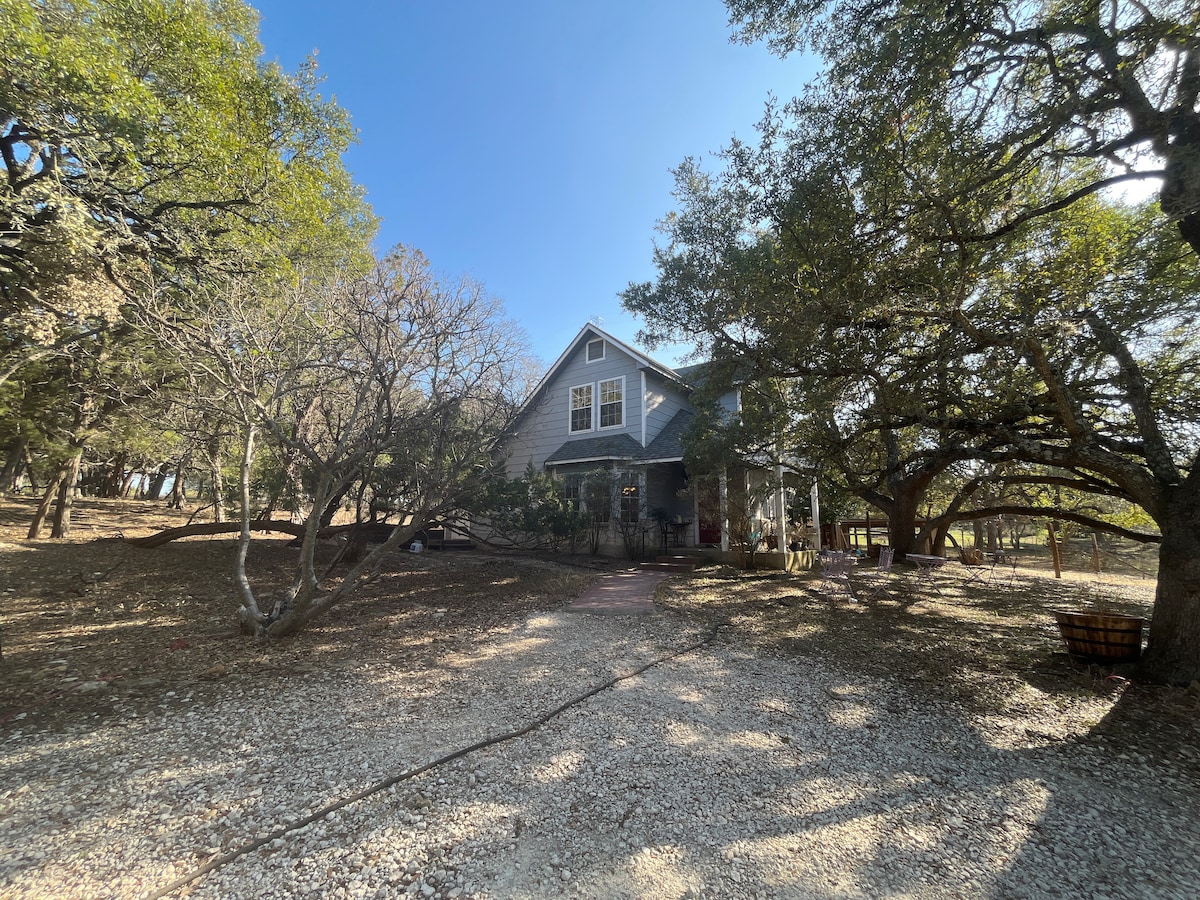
(708, 504)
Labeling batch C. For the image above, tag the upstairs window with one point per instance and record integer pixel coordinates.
(612, 403)
(581, 408)
(595, 351)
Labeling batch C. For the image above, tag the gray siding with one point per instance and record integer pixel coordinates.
(663, 400)
(535, 438)
(545, 425)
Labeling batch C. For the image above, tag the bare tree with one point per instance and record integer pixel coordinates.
(398, 379)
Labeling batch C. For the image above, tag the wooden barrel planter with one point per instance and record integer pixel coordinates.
(1101, 638)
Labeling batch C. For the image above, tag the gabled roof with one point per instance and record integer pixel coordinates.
(590, 332)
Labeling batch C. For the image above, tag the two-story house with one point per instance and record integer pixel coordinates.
(605, 406)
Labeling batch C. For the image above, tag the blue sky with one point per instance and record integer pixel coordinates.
(529, 144)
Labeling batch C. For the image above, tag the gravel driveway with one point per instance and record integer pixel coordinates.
(718, 773)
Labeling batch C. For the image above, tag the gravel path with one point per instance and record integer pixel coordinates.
(719, 773)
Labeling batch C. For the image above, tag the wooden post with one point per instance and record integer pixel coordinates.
(723, 490)
(816, 515)
(781, 541)
(1095, 554)
(1054, 551)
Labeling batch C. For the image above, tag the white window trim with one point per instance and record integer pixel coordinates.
(587, 356)
(643, 407)
(596, 405)
(570, 417)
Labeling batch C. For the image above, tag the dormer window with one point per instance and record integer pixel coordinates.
(595, 350)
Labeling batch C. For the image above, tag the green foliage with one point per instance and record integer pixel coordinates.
(143, 143)
(1038, 83)
(908, 295)
(533, 511)
(1003, 322)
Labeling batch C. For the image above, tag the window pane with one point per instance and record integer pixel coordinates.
(612, 406)
(631, 508)
(571, 490)
(581, 408)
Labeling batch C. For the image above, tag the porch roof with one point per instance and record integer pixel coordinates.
(609, 446)
(667, 445)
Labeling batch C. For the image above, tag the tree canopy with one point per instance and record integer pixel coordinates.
(919, 259)
(145, 140)
(1103, 80)
(149, 156)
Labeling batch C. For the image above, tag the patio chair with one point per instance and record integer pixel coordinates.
(979, 568)
(835, 574)
(1007, 562)
(877, 578)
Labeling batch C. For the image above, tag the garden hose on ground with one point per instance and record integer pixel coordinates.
(226, 858)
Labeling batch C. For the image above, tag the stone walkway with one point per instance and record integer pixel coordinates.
(627, 594)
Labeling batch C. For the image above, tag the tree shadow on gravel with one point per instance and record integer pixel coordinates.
(309, 734)
(993, 657)
(92, 625)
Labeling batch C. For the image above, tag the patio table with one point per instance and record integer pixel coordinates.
(927, 568)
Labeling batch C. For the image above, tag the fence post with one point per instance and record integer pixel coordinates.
(1054, 551)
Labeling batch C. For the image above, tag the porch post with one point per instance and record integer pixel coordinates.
(723, 490)
(781, 517)
(816, 514)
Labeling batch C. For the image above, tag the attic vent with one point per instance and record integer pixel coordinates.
(595, 350)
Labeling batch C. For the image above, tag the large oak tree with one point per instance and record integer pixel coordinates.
(961, 154)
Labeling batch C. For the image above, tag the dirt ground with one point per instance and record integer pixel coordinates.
(91, 619)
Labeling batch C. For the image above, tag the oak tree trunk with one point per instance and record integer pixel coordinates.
(217, 481)
(154, 492)
(178, 492)
(114, 481)
(13, 464)
(43, 509)
(1173, 651)
(66, 496)
(902, 525)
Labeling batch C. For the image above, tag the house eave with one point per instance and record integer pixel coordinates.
(587, 459)
(644, 363)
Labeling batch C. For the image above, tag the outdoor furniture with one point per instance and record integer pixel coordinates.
(979, 567)
(674, 534)
(927, 568)
(1005, 561)
(835, 574)
(877, 578)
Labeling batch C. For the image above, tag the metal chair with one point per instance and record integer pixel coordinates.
(877, 578)
(835, 574)
(979, 568)
(1008, 567)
